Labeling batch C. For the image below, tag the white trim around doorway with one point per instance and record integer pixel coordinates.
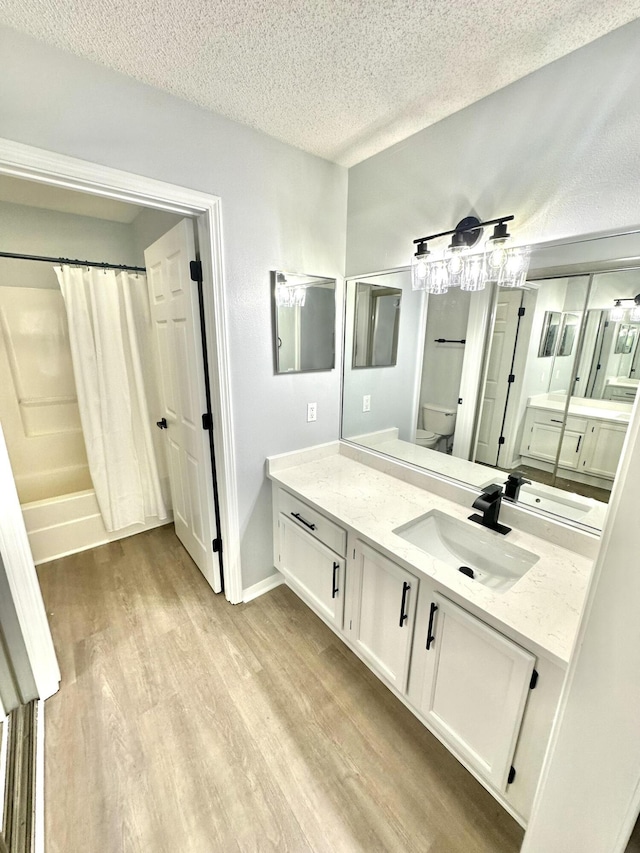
(47, 167)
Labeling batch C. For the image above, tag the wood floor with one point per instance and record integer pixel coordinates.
(187, 725)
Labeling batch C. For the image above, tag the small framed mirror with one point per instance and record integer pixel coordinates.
(376, 324)
(568, 329)
(304, 319)
(549, 336)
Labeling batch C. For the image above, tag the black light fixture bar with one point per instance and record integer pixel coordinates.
(473, 227)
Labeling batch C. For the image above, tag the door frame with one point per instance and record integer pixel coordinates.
(48, 167)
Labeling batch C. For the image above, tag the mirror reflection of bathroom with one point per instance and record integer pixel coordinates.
(304, 312)
(376, 325)
(444, 348)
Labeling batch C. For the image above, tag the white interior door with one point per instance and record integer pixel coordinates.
(176, 318)
(496, 386)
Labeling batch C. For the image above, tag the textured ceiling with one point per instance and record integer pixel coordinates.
(339, 78)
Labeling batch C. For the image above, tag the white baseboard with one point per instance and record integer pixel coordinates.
(261, 587)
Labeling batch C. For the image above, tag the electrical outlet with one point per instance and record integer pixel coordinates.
(366, 403)
(312, 411)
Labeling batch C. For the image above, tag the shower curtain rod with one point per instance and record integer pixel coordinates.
(70, 262)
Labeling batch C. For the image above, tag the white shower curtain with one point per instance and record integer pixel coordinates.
(111, 350)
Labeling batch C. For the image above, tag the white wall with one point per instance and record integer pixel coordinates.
(33, 231)
(447, 317)
(281, 208)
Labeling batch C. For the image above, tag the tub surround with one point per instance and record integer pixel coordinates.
(541, 610)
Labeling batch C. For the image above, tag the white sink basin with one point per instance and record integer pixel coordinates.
(551, 499)
(493, 561)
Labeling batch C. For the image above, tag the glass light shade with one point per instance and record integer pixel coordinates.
(516, 266)
(455, 262)
(495, 258)
(634, 314)
(420, 271)
(290, 296)
(617, 313)
(473, 278)
(438, 282)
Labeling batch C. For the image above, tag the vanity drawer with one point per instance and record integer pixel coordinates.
(556, 418)
(316, 524)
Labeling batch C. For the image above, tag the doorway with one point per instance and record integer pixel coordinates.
(47, 168)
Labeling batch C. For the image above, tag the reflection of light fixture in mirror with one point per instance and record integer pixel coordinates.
(634, 314)
(616, 314)
(499, 262)
(289, 295)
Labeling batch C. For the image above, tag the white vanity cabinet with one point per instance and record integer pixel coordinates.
(470, 683)
(381, 613)
(309, 550)
(602, 448)
(541, 436)
(590, 446)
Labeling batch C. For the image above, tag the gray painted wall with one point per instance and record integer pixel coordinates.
(281, 208)
(558, 149)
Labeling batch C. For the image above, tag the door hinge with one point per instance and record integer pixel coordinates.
(534, 680)
(501, 440)
(512, 378)
(217, 546)
(512, 775)
(195, 268)
(207, 421)
(521, 311)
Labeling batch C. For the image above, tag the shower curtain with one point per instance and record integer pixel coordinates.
(111, 351)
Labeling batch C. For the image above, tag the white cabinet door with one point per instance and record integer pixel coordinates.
(314, 571)
(603, 448)
(543, 444)
(470, 685)
(383, 614)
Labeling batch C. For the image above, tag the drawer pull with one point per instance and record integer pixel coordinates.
(430, 637)
(336, 569)
(555, 421)
(403, 615)
(301, 519)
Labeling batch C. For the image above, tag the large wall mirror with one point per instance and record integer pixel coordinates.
(304, 319)
(540, 379)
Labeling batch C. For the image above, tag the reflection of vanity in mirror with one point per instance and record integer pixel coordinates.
(304, 311)
(539, 380)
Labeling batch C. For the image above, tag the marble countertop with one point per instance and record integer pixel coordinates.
(541, 610)
(606, 410)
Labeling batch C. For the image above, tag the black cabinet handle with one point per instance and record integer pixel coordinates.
(404, 616)
(556, 421)
(578, 445)
(301, 519)
(430, 637)
(162, 423)
(336, 569)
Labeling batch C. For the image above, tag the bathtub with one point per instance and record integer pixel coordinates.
(70, 523)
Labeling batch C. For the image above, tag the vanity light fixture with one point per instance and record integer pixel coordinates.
(618, 313)
(458, 266)
(289, 295)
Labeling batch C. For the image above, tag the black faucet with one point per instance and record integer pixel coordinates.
(514, 482)
(489, 504)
